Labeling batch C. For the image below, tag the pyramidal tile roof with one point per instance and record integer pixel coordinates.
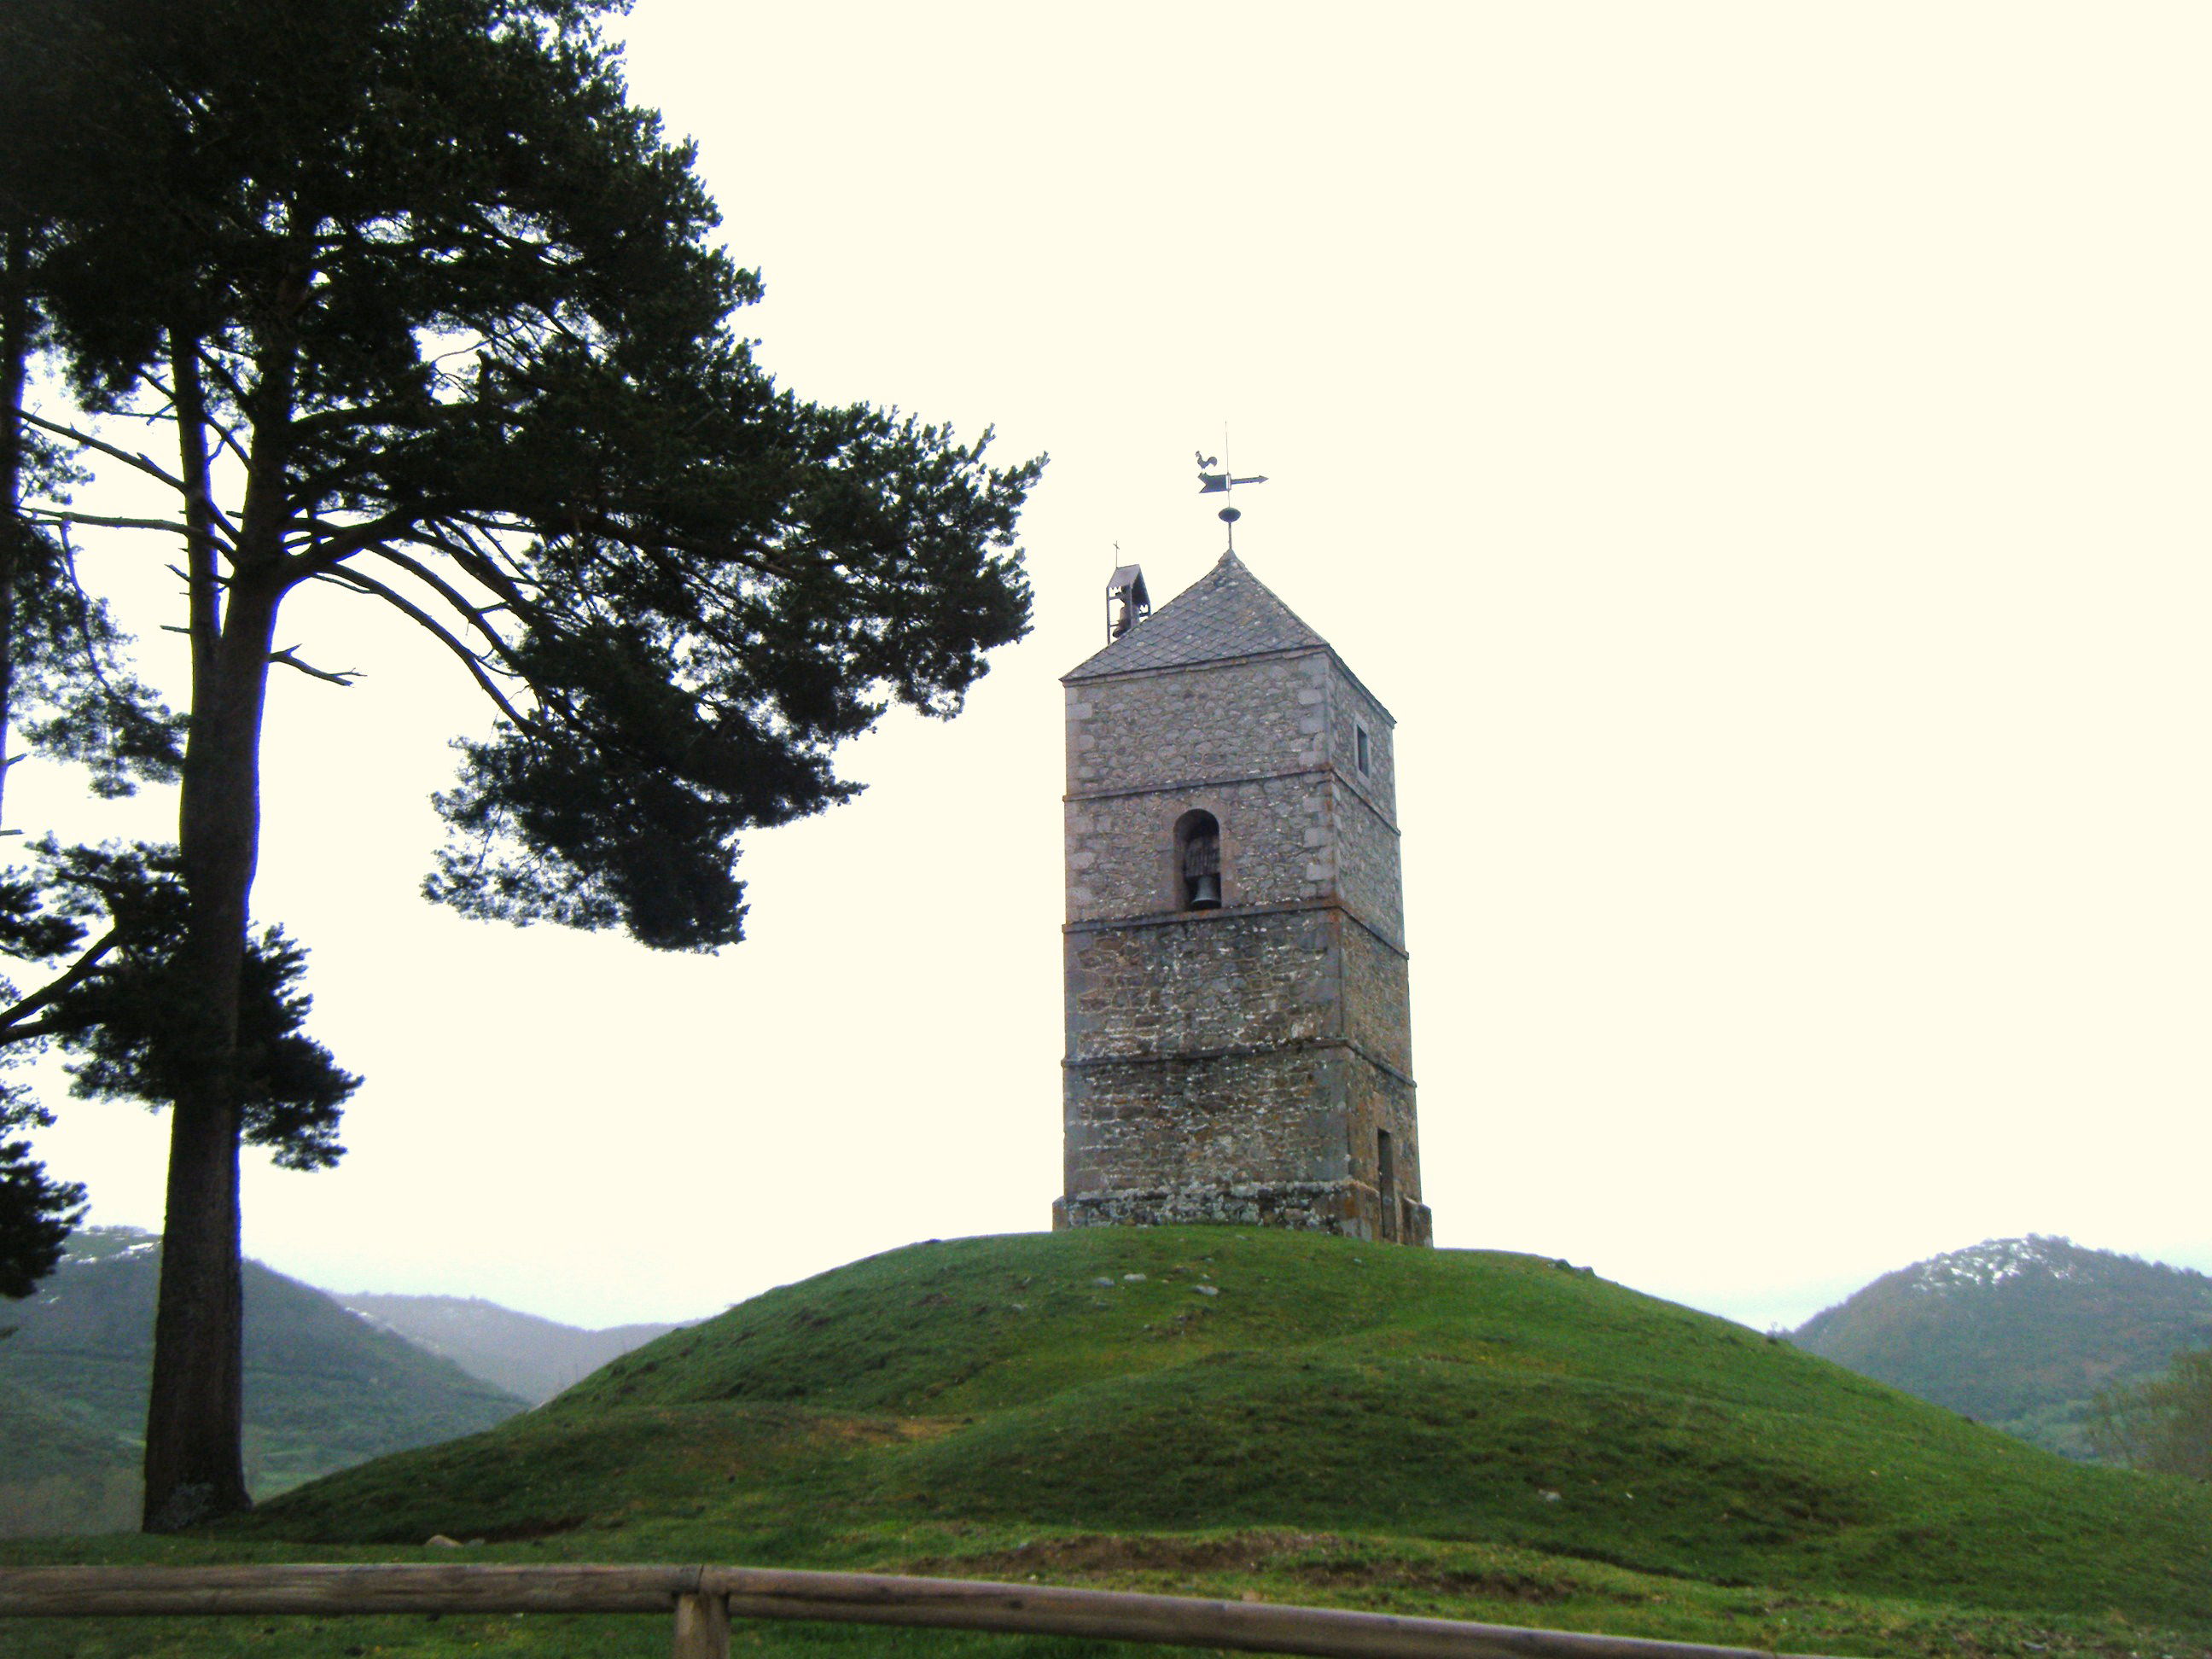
(1227, 613)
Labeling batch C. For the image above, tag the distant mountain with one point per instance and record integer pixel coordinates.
(520, 1352)
(324, 1388)
(2018, 1332)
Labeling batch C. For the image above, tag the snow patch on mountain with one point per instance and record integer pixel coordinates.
(1996, 1261)
(104, 1248)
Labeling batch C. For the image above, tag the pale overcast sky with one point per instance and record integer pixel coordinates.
(1757, 451)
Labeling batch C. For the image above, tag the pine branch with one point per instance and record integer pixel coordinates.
(483, 565)
(173, 412)
(339, 677)
(11, 1019)
(324, 556)
(142, 461)
(102, 521)
(94, 664)
(445, 590)
(407, 607)
(753, 557)
(213, 365)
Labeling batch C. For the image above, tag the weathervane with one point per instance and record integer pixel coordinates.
(1220, 484)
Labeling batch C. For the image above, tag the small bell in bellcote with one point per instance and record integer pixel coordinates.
(1202, 869)
(1127, 603)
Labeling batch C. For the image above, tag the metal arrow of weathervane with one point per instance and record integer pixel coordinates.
(1220, 484)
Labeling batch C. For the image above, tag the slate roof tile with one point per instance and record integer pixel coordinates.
(1227, 613)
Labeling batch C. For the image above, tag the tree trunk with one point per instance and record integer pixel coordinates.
(14, 356)
(195, 1418)
(205, 613)
(195, 1468)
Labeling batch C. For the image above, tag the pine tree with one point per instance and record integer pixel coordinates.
(63, 681)
(435, 316)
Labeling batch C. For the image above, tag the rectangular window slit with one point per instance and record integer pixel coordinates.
(1386, 1183)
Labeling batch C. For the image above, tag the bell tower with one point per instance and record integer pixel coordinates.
(1239, 1048)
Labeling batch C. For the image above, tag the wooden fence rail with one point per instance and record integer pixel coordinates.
(703, 1599)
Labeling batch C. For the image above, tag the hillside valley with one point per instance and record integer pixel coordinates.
(2019, 1333)
(529, 1357)
(323, 1387)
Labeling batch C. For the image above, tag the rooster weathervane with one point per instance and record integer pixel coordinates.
(1220, 484)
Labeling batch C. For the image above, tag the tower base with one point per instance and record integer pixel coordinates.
(1351, 1209)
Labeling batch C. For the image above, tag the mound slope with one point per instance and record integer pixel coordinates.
(1175, 1381)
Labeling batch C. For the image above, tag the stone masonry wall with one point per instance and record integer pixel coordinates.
(1212, 979)
(1375, 1100)
(1306, 1206)
(1266, 1118)
(1373, 991)
(1121, 849)
(1363, 807)
(1211, 721)
(1366, 864)
(1351, 706)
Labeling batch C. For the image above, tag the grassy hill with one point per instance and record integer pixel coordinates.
(323, 1387)
(2018, 1332)
(1223, 1410)
(64, 1468)
(519, 1352)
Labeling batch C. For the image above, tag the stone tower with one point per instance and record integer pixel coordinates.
(1238, 1047)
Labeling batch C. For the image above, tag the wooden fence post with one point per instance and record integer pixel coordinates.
(703, 1627)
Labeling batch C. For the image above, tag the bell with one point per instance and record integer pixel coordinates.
(1206, 893)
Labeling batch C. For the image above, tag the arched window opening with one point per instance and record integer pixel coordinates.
(1198, 861)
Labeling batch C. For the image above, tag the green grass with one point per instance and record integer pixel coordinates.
(1469, 1434)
